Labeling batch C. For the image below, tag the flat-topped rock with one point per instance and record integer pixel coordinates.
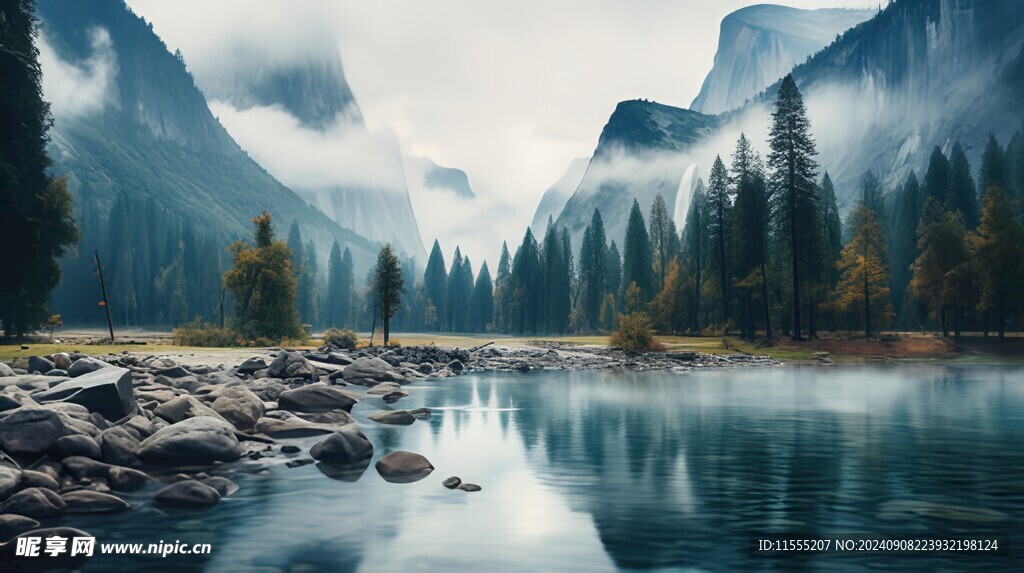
(106, 391)
(316, 398)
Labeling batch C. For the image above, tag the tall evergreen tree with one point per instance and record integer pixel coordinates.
(613, 271)
(961, 192)
(304, 296)
(593, 271)
(435, 280)
(792, 184)
(661, 233)
(502, 290)
(936, 179)
(871, 193)
(525, 307)
(636, 264)
(556, 281)
(999, 245)
(750, 236)
(719, 206)
(903, 245)
(694, 247)
(313, 279)
(37, 222)
(483, 301)
(994, 169)
(460, 289)
(941, 242)
(388, 287)
(334, 299)
(346, 292)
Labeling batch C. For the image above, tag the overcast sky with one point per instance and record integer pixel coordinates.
(510, 92)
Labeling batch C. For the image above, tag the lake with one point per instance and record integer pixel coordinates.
(602, 471)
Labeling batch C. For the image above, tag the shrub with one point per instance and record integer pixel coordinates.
(635, 333)
(197, 333)
(341, 338)
(394, 343)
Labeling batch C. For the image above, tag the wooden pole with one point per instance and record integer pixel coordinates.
(103, 289)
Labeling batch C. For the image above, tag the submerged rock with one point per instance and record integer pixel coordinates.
(12, 524)
(86, 501)
(346, 446)
(187, 494)
(395, 417)
(452, 482)
(470, 487)
(35, 502)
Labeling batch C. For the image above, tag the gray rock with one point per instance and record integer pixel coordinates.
(239, 406)
(452, 482)
(197, 441)
(291, 426)
(126, 479)
(187, 494)
(30, 382)
(174, 372)
(223, 485)
(33, 430)
(346, 446)
(34, 502)
(76, 445)
(8, 403)
(368, 371)
(62, 360)
(80, 467)
(290, 449)
(9, 480)
(85, 365)
(107, 391)
(57, 373)
(420, 413)
(456, 366)
(251, 365)
(316, 398)
(393, 397)
(5, 370)
(395, 417)
(291, 365)
(118, 446)
(268, 389)
(335, 417)
(38, 364)
(339, 358)
(141, 425)
(32, 478)
(384, 388)
(86, 501)
(183, 408)
(426, 368)
(470, 487)
(12, 524)
(403, 467)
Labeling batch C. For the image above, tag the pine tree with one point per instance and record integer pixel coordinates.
(994, 169)
(864, 270)
(335, 290)
(502, 290)
(347, 290)
(313, 279)
(388, 287)
(750, 235)
(944, 253)
(660, 222)
(524, 307)
(483, 300)
(719, 207)
(435, 280)
(694, 243)
(556, 281)
(903, 244)
(37, 222)
(593, 269)
(264, 286)
(936, 179)
(961, 192)
(456, 303)
(612, 272)
(792, 184)
(636, 265)
(302, 276)
(999, 245)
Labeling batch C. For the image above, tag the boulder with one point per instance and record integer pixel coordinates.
(12, 524)
(251, 365)
(395, 417)
(79, 467)
(39, 365)
(268, 389)
(291, 365)
(140, 425)
(62, 360)
(5, 370)
(34, 502)
(57, 373)
(183, 408)
(346, 446)
(118, 447)
(88, 501)
(76, 445)
(32, 478)
(403, 467)
(339, 358)
(426, 368)
(126, 479)
(384, 388)
(33, 430)
(240, 406)
(197, 441)
(287, 425)
(456, 366)
(223, 485)
(85, 365)
(30, 382)
(8, 403)
(107, 391)
(368, 371)
(316, 398)
(9, 480)
(452, 482)
(393, 397)
(187, 494)
(173, 372)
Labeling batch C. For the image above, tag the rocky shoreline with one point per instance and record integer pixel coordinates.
(79, 434)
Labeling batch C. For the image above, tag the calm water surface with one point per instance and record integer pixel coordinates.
(635, 472)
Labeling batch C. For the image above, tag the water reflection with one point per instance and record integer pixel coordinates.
(658, 471)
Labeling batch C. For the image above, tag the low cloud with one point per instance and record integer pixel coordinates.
(79, 89)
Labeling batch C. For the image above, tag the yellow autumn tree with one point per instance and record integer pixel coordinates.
(864, 270)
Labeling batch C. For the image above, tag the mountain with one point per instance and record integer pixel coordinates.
(759, 44)
(160, 187)
(638, 155)
(423, 173)
(553, 201)
(298, 117)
